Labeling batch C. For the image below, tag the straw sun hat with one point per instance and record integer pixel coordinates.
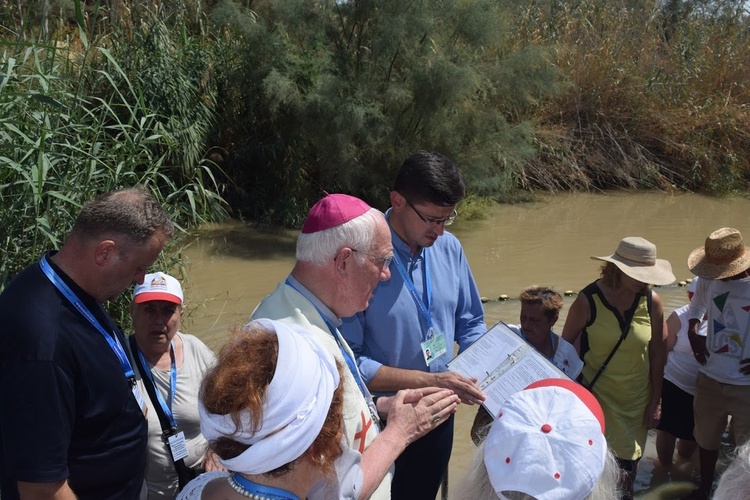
(636, 257)
(723, 255)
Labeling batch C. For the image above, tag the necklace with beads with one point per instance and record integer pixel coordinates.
(256, 491)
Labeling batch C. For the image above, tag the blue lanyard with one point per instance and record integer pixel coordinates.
(167, 407)
(336, 335)
(423, 308)
(111, 338)
(551, 340)
(262, 491)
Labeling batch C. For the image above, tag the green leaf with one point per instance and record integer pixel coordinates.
(46, 100)
(81, 23)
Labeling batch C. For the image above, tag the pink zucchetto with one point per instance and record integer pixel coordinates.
(333, 210)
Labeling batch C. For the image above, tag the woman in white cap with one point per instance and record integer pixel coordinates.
(546, 444)
(271, 410)
(677, 392)
(169, 369)
(617, 324)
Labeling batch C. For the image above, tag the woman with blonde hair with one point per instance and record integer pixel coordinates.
(617, 325)
(271, 411)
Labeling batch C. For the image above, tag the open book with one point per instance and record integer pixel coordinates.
(503, 363)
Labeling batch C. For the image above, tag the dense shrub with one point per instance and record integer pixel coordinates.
(337, 94)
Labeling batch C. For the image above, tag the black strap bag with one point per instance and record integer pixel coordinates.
(184, 473)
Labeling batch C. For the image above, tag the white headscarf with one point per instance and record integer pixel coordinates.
(295, 404)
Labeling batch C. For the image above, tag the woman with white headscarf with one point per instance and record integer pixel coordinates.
(271, 411)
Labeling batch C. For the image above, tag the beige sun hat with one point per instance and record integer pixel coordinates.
(636, 257)
(723, 255)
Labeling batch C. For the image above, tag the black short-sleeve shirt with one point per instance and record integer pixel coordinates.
(66, 408)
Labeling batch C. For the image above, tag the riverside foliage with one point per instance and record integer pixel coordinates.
(80, 116)
(294, 97)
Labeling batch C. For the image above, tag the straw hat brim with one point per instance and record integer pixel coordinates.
(699, 266)
(658, 273)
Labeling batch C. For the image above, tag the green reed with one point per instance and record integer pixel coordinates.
(75, 121)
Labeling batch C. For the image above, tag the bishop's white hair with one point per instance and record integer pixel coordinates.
(321, 247)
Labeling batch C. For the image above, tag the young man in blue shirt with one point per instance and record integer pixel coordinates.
(404, 340)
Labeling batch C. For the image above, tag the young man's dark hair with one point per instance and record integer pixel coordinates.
(430, 177)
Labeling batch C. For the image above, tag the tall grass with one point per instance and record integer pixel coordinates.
(75, 122)
(653, 100)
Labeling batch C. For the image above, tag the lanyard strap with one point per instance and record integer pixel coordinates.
(422, 307)
(254, 490)
(336, 335)
(168, 426)
(165, 406)
(111, 338)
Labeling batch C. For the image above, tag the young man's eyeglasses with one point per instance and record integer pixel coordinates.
(429, 220)
(381, 261)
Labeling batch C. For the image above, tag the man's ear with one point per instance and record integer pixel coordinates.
(343, 261)
(398, 202)
(104, 251)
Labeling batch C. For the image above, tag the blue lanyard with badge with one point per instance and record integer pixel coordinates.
(433, 346)
(111, 338)
(172, 437)
(349, 361)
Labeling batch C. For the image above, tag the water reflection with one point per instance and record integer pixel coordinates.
(232, 267)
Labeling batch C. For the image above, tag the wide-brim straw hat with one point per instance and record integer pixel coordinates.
(636, 257)
(723, 255)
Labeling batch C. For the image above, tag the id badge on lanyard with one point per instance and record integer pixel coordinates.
(434, 344)
(139, 399)
(433, 347)
(177, 444)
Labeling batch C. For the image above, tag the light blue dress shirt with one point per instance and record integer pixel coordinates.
(389, 332)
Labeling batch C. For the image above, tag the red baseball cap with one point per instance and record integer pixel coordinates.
(158, 286)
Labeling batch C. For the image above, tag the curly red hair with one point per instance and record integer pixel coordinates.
(245, 367)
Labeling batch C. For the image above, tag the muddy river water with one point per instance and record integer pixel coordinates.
(548, 242)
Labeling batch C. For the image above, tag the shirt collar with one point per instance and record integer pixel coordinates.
(320, 306)
(398, 243)
(96, 307)
(82, 294)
